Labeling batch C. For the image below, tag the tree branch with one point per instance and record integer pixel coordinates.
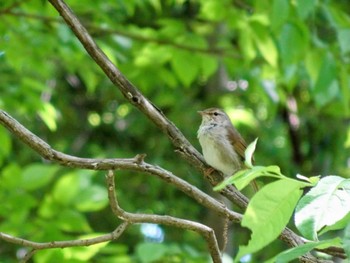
(134, 164)
(63, 244)
(132, 218)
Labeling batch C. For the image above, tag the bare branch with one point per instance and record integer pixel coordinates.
(131, 218)
(68, 243)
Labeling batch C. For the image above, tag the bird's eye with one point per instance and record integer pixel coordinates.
(216, 113)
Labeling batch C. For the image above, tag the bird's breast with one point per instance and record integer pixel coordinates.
(219, 153)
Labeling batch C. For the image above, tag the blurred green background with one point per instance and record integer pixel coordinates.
(279, 68)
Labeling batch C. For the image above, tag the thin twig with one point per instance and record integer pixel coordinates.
(67, 243)
(132, 218)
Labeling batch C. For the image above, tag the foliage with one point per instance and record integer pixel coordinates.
(322, 209)
(279, 68)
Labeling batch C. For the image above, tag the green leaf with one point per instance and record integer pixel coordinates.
(83, 254)
(6, 144)
(246, 42)
(326, 87)
(72, 221)
(186, 66)
(295, 252)
(324, 205)
(292, 43)
(243, 177)
(71, 181)
(49, 115)
(265, 44)
(213, 10)
(344, 40)
(248, 154)
(268, 213)
(341, 224)
(150, 252)
(346, 240)
(280, 11)
(208, 65)
(37, 175)
(304, 8)
(90, 199)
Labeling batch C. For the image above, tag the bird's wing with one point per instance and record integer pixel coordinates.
(237, 142)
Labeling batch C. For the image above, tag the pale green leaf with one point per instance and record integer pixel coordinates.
(246, 42)
(93, 198)
(324, 205)
(49, 116)
(83, 253)
(35, 176)
(248, 154)
(268, 213)
(67, 188)
(265, 44)
(213, 10)
(243, 177)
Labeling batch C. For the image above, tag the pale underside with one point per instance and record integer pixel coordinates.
(219, 153)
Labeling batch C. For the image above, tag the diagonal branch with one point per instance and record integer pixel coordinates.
(134, 164)
(132, 218)
(136, 98)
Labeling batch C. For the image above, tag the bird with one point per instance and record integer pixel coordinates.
(222, 145)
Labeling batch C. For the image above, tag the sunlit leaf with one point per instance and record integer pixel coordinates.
(268, 213)
(248, 154)
(265, 44)
(324, 205)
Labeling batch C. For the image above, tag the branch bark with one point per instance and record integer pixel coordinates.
(62, 244)
(132, 218)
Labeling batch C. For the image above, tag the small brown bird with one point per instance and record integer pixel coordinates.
(222, 146)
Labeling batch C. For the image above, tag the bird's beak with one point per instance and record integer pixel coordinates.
(202, 113)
